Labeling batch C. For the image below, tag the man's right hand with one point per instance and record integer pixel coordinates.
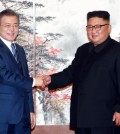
(46, 79)
(39, 81)
(42, 81)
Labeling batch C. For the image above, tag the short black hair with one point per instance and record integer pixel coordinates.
(8, 12)
(101, 14)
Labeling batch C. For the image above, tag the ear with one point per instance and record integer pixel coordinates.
(109, 28)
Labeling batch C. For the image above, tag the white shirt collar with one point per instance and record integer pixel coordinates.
(7, 43)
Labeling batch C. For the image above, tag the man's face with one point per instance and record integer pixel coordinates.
(9, 27)
(98, 34)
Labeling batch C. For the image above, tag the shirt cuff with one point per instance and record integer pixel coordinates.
(33, 82)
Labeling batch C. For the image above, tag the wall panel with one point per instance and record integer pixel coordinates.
(50, 32)
(52, 130)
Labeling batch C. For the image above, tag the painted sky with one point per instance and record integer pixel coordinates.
(71, 20)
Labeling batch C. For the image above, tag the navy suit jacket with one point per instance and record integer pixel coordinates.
(96, 84)
(15, 85)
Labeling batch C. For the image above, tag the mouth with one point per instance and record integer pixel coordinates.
(94, 36)
(11, 34)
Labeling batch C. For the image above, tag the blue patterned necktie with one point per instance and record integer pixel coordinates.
(16, 56)
(14, 51)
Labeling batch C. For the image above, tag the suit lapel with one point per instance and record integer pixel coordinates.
(9, 54)
(22, 59)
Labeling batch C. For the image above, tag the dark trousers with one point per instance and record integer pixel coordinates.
(23, 127)
(108, 130)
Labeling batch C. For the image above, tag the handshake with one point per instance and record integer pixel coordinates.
(42, 81)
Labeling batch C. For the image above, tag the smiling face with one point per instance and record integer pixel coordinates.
(98, 36)
(9, 27)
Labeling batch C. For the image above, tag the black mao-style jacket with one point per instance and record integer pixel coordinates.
(95, 75)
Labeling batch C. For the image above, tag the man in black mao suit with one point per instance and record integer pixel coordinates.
(16, 100)
(95, 75)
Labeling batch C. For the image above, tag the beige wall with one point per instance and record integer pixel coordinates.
(62, 129)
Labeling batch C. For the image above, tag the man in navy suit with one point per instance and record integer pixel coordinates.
(95, 75)
(16, 100)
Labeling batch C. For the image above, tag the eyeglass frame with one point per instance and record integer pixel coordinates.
(95, 26)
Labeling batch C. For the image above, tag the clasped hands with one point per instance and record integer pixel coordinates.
(42, 81)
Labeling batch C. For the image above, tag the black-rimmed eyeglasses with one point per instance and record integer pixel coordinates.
(97, 27)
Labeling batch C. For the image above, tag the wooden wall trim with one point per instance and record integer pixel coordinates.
(53, 129)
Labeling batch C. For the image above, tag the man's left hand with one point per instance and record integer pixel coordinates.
(116, 118)
(33, 120)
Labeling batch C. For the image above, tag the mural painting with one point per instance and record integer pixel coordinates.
(50, 32)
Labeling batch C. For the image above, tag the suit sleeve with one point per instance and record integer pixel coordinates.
(65, 77)
(117, 71)
(26, 73)
(61, 79)
(31, 103)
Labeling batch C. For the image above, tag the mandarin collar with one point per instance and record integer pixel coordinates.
(99, 47)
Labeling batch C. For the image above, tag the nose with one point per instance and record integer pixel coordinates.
(12, 28)
(93, 30)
